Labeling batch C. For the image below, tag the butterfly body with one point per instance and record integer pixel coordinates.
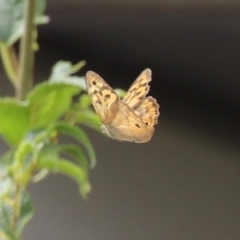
(129, 119)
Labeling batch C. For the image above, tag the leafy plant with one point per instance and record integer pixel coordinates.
(32, 122)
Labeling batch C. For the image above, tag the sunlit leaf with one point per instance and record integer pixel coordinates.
(48, 102)
(84, 101)
(120, 92)
(14, 120)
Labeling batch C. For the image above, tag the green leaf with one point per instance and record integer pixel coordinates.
(6, 232)
(88, 118)
(19, 166)
(14, 118)
(6, 19)
(120, 92)
(7, 188)
(11, 19)
(7, 157)
(81, 113)
(79, 135)
(18, 28)
(40, 7)
(69, 169)
(72, 150)
(34, 135)
(8, 201)
(62, 71)
(84, 101)
(26, 211)
(49, 101)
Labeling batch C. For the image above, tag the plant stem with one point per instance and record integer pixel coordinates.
(26, 58)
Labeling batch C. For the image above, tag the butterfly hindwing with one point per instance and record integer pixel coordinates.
(148, 111)
(127, 126)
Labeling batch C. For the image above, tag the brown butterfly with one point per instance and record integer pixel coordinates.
(129, 119)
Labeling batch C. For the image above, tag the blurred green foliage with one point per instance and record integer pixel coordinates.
(32, 127)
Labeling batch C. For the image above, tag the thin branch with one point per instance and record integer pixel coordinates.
(25, 74)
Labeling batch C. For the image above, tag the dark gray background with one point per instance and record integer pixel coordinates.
(185, 183)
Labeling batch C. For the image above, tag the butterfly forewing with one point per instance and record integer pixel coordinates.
(139, 89)
(102, 95)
